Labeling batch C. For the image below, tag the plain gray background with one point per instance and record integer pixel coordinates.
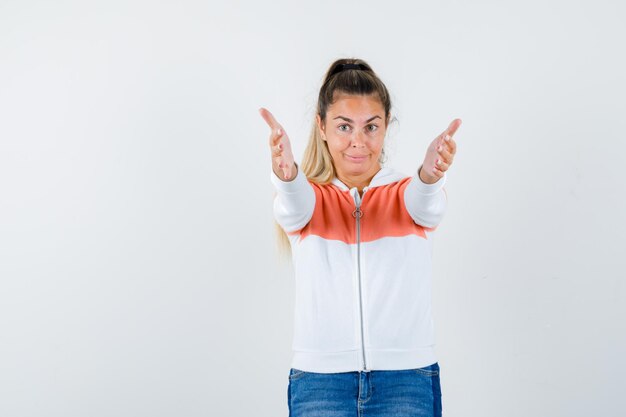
(138, 269)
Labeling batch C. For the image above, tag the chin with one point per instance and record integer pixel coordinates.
(356, 169)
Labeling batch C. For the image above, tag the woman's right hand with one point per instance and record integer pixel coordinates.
(282, 157)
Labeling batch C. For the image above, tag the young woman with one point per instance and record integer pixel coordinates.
(361, 236)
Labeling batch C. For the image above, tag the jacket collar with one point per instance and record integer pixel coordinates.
(384, 176)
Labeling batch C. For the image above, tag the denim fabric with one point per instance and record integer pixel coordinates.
(399, 393)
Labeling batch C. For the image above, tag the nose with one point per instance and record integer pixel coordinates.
(357, 140)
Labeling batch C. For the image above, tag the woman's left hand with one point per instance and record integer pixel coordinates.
(439, 155)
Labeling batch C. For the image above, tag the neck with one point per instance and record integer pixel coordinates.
(359, 181)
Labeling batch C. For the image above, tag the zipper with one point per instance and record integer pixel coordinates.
(357, 213)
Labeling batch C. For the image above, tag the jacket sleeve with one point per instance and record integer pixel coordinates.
(426, 203)
(294, 201)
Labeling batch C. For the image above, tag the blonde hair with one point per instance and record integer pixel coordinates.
(317, 163)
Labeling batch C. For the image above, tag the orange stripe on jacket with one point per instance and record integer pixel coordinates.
(383, 214)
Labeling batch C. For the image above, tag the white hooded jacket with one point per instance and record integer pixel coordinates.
(362, 270)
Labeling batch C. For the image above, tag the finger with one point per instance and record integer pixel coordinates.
(450, 146)
(453, 127)
(269, 118)
(277, 150)
(445, 154)
(283, 162)
(276, 137)
(277, 129)
(442, 165)
(437, 172)
(287, 168)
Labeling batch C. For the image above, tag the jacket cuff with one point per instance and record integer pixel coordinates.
(428, 189)
(292, 185)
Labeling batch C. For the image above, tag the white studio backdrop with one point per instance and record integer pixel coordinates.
(138, 270)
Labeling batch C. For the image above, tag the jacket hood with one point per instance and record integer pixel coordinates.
(384, 176)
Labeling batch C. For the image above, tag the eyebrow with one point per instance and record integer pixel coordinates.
(352, 121)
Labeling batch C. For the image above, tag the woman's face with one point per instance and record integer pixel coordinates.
(354, 130)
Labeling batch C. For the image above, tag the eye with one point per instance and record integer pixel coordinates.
(374, 127)
(340, 127)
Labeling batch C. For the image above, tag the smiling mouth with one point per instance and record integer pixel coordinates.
(357, 158)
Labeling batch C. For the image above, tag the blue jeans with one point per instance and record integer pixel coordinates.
(398, 393)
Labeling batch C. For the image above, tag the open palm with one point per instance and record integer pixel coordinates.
(440, 154)
(282, 158)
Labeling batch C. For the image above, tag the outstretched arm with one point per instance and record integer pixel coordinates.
(295, 199)
(424, 197)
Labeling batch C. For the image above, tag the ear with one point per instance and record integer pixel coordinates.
(318, 119)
